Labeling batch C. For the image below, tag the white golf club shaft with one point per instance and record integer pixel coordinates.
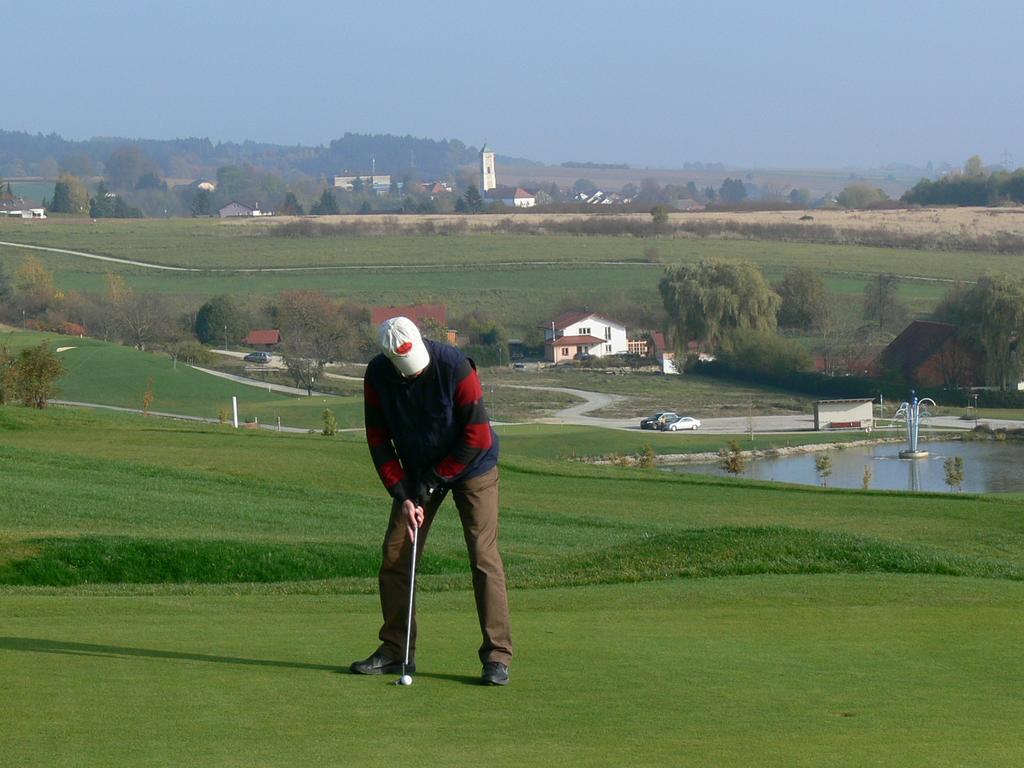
(412, 592)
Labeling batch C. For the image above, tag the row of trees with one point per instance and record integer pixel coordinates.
(732, 310)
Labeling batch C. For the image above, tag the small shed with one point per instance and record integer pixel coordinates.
(263, 339)
(857, 413)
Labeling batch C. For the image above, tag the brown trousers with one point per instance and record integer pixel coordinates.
(477, 502)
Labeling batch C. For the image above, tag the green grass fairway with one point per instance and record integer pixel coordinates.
(111, 374)
(175, 593)
(768, 671)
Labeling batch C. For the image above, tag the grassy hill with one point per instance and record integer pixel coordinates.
(111, 374)
(199, 589)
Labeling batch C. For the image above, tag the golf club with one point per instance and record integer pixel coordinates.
(407, 679)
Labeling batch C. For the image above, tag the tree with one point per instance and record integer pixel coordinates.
(474, 203)
(801, 197)
(860, 195)
(803, 300)
(202, 203)
(954, 470)
(974, 166)
(220, 321)
(150, 180)
(823, 466)
(659, 216)
(70, 196)
(136, 319)
(990, 317)
(883, 306)
(316, 330)
(291, 205)
(125, 166)
(34, 290)
(730, 458)
(763, 352)
(709, 300)
(733, 191)
(327, 205)
(35, 375)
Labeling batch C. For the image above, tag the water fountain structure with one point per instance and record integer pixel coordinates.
(912, 412)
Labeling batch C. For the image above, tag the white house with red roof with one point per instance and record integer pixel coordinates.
(513, 197)
(579, 335)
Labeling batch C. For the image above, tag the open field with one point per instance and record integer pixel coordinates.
(659, 619)
(518, 280)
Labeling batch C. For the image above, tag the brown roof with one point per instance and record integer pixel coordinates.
(569, 318)
(262, 337)
(415, 312)
(570, 340)
(916, 343)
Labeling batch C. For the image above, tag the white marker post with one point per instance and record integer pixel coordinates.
(234, 409)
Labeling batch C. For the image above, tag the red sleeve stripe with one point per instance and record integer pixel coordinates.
(478, 436)
(377, 436)
(449, 468)
(391, 472)
(468, 390)
(370, 395)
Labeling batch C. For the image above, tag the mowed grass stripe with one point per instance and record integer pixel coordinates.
(714, 552)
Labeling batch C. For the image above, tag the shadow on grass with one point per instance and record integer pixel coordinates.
(38, 645)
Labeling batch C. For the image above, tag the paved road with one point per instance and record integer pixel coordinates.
(727, 425)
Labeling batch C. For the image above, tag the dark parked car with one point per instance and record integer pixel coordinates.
(257, 357)
(655, 421)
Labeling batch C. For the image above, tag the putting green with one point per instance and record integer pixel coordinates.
(768, 671)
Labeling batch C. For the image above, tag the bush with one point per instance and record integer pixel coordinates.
(764, 352)
(35, 374)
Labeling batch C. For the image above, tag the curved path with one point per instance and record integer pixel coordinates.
(334, 268)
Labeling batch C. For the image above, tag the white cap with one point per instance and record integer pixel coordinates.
(401, 341)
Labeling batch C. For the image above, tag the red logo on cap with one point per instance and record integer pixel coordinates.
(405, 348)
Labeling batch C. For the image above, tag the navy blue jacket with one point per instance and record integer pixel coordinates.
(433, 427)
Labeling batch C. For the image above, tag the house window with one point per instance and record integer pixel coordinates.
(608, 334)
(608, 348)
(565, 351)
(584, 331)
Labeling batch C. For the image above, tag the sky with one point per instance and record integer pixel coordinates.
(786, 84)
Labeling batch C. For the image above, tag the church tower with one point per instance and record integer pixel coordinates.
(488, 179)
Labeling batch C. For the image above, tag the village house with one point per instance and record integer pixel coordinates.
(929, 354)
(513, 197)
(235, 209)
(264, 340)
(581, 335)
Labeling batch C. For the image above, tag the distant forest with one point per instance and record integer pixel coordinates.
(25, 154)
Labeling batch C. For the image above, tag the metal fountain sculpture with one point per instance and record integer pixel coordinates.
(912, 412)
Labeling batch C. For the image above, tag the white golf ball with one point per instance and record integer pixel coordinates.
(406, 680)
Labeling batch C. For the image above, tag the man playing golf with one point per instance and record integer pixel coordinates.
(428, 433)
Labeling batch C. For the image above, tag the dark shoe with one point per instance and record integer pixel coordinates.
(381, 664)
(495, 673)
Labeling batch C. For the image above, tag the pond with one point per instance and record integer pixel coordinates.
(989, 467)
